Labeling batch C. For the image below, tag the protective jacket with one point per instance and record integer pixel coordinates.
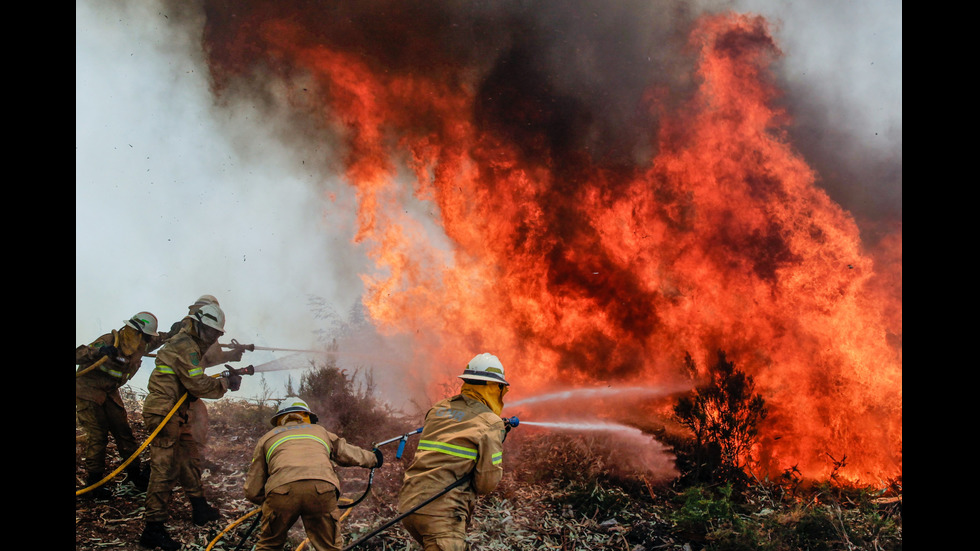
(213, 356)
(460, 434)
(179, 370)
(299, 451)
(105, 380)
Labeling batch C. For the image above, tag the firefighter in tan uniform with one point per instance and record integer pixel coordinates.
(179, 371)
(99, 408)
(460, 435)
(196, 425)
(291, 477)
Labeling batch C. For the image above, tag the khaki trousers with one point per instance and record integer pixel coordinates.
(315, 501)
(437, 533)
(171, 462)
(98, 422)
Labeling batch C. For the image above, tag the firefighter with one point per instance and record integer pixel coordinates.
(461, 434)
(291, 476)
(99, 408)
(197, 411)
(179, 371)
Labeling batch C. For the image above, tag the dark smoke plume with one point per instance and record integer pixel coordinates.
(562, 78)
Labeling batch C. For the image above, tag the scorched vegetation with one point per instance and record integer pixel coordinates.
(560, 491)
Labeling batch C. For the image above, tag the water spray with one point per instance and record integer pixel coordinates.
(252, 347)
(584, 426)
(296, 360)
(607, 391)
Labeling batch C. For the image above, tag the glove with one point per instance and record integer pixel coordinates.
(380, 457)
(108, 350)
(234, 382)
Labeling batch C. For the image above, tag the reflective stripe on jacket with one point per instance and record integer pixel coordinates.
(178, 371)
(460, 435)
(106, 379)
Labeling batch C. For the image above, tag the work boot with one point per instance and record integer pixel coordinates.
(155, 535)
(136, 475)
(203, 512)
(98, 493)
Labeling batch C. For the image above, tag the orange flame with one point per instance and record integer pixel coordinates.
(577, 272)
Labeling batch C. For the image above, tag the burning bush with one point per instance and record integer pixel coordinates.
(723, 414)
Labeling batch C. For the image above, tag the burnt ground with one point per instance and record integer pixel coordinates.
(549, 498)
(117, 522)
(515, 516)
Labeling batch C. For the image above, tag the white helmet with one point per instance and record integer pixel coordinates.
(212, 316)
(290, 405)
(144, 322)
(202, 300)
(485, 367)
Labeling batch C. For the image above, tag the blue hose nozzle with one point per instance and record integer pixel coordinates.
(511, 421)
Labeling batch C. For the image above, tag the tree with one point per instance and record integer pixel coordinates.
(723, 413)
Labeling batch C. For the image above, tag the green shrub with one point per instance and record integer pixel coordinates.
(702, 511)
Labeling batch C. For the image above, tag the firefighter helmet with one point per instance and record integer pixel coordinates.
(144, 322)
(484, 367)
(290, 405)
(212, 316)
(202, 300)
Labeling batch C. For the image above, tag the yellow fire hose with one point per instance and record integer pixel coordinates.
(101, 360)
(232, 525)
(141, 448)
(147, 443)
(136, 454)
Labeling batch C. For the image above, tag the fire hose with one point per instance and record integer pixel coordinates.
(235, 523)
(465, 478)
(247, 370)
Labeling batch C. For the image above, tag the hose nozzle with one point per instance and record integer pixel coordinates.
(247, 370)
(511, 422)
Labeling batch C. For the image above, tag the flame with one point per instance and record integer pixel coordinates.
(576, 271)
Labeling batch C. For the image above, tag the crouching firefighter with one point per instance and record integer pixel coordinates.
(462, 437)
(291, 477)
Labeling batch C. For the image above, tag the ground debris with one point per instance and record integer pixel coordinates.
(523, 514)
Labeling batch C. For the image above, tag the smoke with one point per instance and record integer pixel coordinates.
(176, 197)
(843, 80)
(558, 77)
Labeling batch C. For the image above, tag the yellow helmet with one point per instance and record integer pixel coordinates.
(290, 405)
